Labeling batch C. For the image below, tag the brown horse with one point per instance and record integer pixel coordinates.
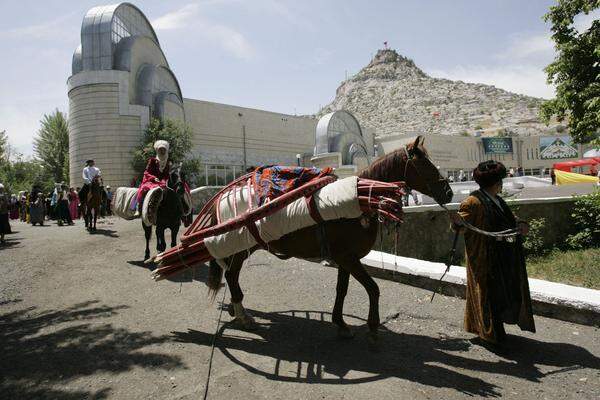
(346, 240)
(91, 205)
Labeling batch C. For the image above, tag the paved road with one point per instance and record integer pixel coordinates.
(81, 318)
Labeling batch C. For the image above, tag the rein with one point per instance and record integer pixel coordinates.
(507, 233)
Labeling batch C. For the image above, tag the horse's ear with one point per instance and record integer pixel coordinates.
(416, 144)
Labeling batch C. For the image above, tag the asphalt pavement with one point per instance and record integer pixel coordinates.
(80, 318)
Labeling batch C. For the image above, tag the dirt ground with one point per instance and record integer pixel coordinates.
(80, 318)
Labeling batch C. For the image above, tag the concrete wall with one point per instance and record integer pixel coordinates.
(271, 138)
(426, 234)
(103, 125)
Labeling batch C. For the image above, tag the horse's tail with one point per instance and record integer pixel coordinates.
(215, 276)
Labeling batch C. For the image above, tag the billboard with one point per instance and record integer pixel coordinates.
(556, 147)
(497, 145)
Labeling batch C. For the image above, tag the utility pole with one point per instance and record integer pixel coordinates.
(244, 145)
(240, 115)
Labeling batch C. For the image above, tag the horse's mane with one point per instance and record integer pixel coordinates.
(381, 168)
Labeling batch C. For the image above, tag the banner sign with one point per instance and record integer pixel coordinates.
(555, 147)
(497, 145)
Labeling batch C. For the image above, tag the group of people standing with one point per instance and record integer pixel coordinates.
(63, 204)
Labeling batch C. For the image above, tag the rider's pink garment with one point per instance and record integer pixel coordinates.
(151, 173)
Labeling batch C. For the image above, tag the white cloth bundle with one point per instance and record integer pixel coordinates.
(150, 206)
(335, 201)
(121, 204)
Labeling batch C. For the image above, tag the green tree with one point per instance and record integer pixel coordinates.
(575, 71)
(179, 136)
(3, 147)
(52, 145)
(21, 174)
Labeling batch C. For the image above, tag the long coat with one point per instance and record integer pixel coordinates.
(497, 286)
(152, 173)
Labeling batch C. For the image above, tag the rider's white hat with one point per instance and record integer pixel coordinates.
(161, 143)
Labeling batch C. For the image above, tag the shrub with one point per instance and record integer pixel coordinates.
(586, 218)
(534, 241)
(179, 136)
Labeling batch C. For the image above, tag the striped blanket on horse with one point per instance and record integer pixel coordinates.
(272, 181)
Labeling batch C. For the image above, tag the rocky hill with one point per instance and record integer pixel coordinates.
(392, 95)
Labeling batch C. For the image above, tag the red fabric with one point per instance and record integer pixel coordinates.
(272, 181)
(567, 165)
(152, 173)
(73, 203)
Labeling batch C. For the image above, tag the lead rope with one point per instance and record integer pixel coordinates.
(448, 264)
(212, 346)
(215, 335)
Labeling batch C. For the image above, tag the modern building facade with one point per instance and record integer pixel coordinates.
(535, 154)
(121, 78)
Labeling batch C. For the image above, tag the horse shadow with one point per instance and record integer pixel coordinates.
(305, 342)
(140, 264)
(44, 350)
(105, 232)
(198, 273)
(10, 243)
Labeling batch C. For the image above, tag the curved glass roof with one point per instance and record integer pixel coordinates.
(103, 28)
(339, 131)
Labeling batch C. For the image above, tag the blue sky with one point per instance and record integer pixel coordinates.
(285, 56)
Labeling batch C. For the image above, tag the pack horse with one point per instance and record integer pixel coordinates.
(300, 217)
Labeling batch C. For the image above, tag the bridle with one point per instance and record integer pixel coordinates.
(410, 158)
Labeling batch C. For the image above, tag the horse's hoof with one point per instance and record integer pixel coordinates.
(230, 310)
(345, 333)
(246, 323)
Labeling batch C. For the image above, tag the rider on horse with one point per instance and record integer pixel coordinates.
(156, 173)
(89, 173)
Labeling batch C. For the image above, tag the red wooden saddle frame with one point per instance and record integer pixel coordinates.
(200, 230)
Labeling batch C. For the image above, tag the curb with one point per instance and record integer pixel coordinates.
(549, 299)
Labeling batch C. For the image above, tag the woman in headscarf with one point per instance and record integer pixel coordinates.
(4, 224)
(156, 173)
(73, 203)
(14, 207)
(37, 206)
(23, 200)
(497, 286)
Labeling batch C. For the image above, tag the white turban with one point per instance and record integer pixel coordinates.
(161, 143)
(162, 160)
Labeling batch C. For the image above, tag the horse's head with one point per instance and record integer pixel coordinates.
(177, 185)
(422, 175)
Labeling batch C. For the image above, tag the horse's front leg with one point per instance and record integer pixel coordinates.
(148, 235)
(174, 231)
(161, 245)
(338, 308)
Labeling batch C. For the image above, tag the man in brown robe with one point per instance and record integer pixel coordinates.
(497, 286)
